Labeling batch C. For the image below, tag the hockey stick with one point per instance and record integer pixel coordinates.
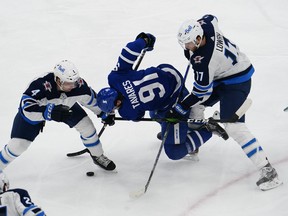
(144, 190)
(238, 114)
(73, 154)
(140, 59)
(286, 109)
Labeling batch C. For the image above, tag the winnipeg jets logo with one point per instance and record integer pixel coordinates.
(198, 59)
(47, 86)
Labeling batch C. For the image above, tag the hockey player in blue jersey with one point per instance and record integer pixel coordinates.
(155, 89)
(222, 73)
(17, 201)
(56, 96)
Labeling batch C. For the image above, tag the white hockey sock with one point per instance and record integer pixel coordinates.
(12, 150)
(89, 136)
(249, 144)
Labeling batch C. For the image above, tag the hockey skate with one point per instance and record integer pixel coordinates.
(215, 128)
(104, 162)
(268, 178)
(193, 156)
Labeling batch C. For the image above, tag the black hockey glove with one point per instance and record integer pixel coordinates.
(61, 113)
(57, 113)
(177, 113)
(107, 118)
(149, 39)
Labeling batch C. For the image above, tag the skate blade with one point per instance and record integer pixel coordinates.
(191, 157)
(270, 185)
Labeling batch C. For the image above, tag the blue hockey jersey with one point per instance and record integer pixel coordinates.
(151, 89)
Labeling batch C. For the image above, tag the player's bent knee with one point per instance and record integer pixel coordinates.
(174, 152)
(85, 127)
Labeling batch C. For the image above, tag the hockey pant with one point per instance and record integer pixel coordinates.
(182, 140)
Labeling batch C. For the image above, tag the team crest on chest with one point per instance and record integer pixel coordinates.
(198, 59)
(47, 86)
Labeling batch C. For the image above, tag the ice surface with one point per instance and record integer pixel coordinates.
(36, 34)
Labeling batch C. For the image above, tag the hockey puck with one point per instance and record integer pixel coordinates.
(90, 173)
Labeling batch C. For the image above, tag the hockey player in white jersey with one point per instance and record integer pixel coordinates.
(56, 96)
(222, 73)
(17, 201)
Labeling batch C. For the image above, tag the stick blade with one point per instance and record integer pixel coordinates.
(137, 194)
(244, 107)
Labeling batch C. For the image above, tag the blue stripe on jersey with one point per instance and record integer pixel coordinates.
(201, 94)
(203, 88)
(29, 121)
(40, 213)
(238, 79)
(93, 96)
(201, 91)
(27, 101)
(28, 209)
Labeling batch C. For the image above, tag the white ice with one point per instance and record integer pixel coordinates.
(36, 34)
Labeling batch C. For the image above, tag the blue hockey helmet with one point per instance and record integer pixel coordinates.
(106, 98)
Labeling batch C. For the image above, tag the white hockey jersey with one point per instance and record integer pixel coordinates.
(18, 203)
(218, 61)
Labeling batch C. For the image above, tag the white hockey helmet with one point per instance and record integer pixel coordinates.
(188, 32)
(4, 183)
(66, 71)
